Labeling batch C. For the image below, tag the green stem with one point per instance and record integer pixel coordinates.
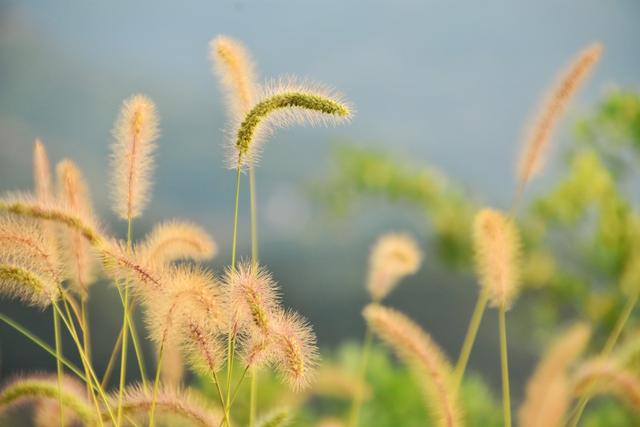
(253, 394)
(155, 386)
(56, 331)
(92, 375)
(253, 397)
(125, 333)
(231, 336)
(608, 347)
(356, 405)
(470, 338)
(506, 398)
(216, 381)
(18, 327)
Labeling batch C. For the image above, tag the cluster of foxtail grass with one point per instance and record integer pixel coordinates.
(232, 325)
(52, 249)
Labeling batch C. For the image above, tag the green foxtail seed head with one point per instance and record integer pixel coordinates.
(282, 104)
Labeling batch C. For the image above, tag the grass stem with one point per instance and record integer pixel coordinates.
(504, 363)
(470, 338)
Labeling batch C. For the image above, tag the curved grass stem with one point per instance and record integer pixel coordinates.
(469, 340)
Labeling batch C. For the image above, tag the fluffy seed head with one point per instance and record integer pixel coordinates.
(280, 417)
(135, 133)
(43, 390)
(282, 104)
(175, 406)
(28, 271)
(393, 257)
(416, 348)
(548, 391)
(532, 156)
(174, 240)
(253, 294)
(295, 349)
(606, 377)
(236, 73)
(496, 246)
(78, 256)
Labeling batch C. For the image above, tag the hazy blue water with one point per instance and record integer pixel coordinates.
(442, 82)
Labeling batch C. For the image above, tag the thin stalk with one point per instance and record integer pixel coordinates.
(135, 339)
(125, 334)
(236, 389)
(253, 394)
(506, 398)
(470, 338)
(116, 350)
(253, 397)
(92, 375)
(18, 327)
(216, 381)
(155, 386)
(356, 405)
(56, 331)
(231, 337)
(614, 335)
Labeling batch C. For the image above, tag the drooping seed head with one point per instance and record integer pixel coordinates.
(282, 104)
(393, 257)
(174, 240)
(251, 295)
(173, 405)
(599, 377)
(533, 153)
(28, 271)
(296, 354)
(497, 247)
(78, 256)
(236, 73)
(416, 348)
(135, 132)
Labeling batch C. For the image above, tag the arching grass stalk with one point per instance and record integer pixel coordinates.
(470, 338)
(504, 363)
(612, 339)
(356, 405)
(24, 331)
(56, 331)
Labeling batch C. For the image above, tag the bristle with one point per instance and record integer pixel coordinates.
(497, 248)
(547, 393)
(236, 73)
(253, 294)
(174, 240)
(606, 377)
(393, 257)
(532, 156)
(78, 255)
(46, 412)
(44, 389)
(203, 347)
(135, 133)
(27, 269)
(282, 104)
(295, 349)
(169, 403)
(42, 173)
(420, 353)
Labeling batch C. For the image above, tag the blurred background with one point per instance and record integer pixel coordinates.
(433, 83)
